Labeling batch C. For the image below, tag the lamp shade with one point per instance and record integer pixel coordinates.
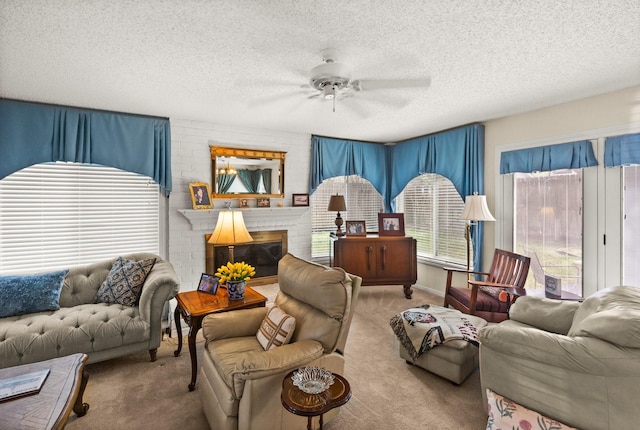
(475, 209)
(230, 229)
(336, 203)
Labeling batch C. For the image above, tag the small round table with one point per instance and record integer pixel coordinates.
(300, 403)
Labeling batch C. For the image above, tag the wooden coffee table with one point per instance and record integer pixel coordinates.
(300, 403)
(195, 305)
(61, 392)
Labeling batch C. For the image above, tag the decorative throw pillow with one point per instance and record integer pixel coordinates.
(492, 291)
(276, 329)
(506, 414)
(29, 294)
(124, 282)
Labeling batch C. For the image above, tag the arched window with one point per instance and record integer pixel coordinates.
(431, 207)
(58, 215)
(363, 204)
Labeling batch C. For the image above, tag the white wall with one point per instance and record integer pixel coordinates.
(191, 162)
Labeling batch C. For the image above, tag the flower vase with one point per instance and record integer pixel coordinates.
(236, 289)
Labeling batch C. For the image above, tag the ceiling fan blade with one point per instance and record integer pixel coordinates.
(377, 84)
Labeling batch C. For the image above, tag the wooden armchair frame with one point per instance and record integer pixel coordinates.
(508, 272)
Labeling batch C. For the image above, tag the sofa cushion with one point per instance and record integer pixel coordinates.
(31, 293)
(276, 329)
(124, 282)
(612, 314)
(506, 414)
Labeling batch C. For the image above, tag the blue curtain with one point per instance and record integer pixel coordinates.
(225, 181)
(250, 179)
(622, 150)
(32, 133)
(337, 157)
(266, 180)
(572, 155)
(457, 154)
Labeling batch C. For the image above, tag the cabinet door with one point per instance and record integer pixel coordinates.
(357, 257)
(395, 259)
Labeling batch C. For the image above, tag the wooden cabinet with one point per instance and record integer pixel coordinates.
(379, 260)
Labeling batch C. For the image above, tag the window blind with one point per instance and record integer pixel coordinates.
(58, 215)
(431, 207)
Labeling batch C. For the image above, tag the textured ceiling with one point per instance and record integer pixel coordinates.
(243, 62)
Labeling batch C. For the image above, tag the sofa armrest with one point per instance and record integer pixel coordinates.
(238, 323)
(161, 285)
(578, 354)
(550, 315)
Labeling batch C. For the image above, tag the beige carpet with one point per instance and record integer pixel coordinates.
(131, 392)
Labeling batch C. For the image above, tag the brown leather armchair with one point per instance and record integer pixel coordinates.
(240, 383)
(482, 298)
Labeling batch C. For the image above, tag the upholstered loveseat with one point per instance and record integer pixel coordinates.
(578, 363)
(101, 330)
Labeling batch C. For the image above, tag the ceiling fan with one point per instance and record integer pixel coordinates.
(332, 80)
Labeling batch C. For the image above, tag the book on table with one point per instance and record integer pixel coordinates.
(22, 385)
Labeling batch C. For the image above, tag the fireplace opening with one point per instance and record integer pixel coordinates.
(264, 253)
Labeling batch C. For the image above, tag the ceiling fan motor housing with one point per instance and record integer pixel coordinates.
(329, 74)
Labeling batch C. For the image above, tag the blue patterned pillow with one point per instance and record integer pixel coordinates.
(31, 293)
(124, 282)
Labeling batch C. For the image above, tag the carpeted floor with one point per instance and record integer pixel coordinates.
(131, 392)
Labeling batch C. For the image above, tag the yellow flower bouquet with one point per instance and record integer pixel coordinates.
(235, 272)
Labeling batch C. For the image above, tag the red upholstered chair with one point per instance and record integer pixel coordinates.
(508, 274)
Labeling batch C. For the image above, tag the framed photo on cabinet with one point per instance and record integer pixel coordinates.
(356, 228)
(391, 224)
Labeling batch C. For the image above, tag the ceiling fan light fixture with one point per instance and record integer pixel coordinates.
(329, 92)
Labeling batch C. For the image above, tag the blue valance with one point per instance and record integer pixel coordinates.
(457, 154)
(622, 150)
(32, 133)
(337, 157)
(572, 155)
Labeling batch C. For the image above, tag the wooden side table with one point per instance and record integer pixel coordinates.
(300, 403)
(195, 305)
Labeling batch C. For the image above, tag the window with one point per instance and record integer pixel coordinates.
(548, 226)
(58, 215)
(363, 203)
(631, 226)
(431, 207)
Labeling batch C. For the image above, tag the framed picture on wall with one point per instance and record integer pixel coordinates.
(208, 284)
(200, 195)
(264, 202)
(391, 224)
(300, 200)
(356, 228)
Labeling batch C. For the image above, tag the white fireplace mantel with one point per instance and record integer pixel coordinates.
(205, 220)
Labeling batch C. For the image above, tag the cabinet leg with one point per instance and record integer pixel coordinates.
(407, 290)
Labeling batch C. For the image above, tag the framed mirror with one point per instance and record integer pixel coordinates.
(252, 173)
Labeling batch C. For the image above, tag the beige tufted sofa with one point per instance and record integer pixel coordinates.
(103, 331)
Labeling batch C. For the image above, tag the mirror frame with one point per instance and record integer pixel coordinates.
(221, 151)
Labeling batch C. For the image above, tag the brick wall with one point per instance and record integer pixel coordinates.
(190, 141)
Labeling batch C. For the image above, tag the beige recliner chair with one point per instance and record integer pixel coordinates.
(240, 383)
(576, 363)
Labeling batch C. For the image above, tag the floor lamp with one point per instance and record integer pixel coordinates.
(475, 209)
(230, 230)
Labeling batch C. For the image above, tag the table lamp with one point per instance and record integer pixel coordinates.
(230, 230)
(336, 203)
(475, 209)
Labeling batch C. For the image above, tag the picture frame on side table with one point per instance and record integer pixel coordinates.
(300, 200)
(208, 284)
(356, 228)
(200, 195)
(264, 202)
(391, 224)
